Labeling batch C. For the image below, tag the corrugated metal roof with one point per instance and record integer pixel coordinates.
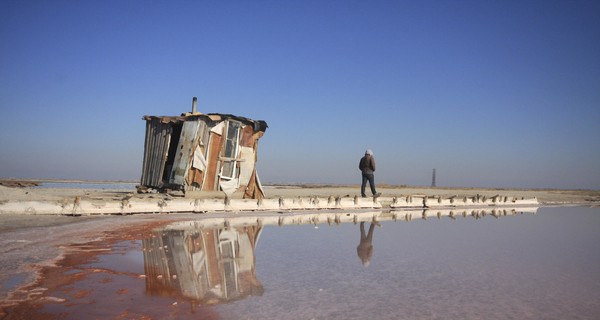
(259, 125)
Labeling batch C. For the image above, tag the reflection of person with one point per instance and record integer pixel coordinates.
(365, 247)
(367, 167)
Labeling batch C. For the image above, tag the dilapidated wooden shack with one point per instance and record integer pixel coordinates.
(202, 152)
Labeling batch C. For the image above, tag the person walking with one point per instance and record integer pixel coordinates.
(367, 167)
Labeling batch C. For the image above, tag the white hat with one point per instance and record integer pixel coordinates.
(369, 152)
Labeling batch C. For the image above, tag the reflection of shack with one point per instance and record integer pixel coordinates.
(202, 152)
(206, 265)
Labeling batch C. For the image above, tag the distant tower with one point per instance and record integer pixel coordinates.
(433, 179)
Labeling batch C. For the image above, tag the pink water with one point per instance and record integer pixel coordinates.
(528, 266)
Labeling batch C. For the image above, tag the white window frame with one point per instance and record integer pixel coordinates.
(236, 147)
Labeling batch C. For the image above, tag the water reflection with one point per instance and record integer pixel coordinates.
(365, 247)
(212, 260)
(209, 265)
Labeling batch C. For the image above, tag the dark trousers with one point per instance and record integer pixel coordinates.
(367, 177)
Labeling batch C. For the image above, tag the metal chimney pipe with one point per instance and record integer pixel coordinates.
(194, 103)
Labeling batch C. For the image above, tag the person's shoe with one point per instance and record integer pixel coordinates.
(377, 194)
(364, 195)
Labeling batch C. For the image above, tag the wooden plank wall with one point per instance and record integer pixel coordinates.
(195, 177)
(214, 152)
(185, 150)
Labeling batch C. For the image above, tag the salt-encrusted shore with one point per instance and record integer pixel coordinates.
(64, 201)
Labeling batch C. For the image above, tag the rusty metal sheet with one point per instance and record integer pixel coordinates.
(254, 190)
(248, 137)
(194, 179)
(215, 144)
(215, 117)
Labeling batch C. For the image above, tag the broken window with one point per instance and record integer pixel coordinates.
(232, 141)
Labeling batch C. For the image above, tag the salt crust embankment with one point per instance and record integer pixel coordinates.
(100, 202)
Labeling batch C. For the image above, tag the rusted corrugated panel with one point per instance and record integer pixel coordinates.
(248, 137)
(156, 146)
(195, 178)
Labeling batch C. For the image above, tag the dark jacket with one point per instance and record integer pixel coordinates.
(367, 164)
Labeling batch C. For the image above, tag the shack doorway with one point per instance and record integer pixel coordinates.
(173, 143)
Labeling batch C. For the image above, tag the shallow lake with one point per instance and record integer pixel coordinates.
(541, 265)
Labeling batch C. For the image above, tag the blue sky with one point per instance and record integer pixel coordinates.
(490, 93)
